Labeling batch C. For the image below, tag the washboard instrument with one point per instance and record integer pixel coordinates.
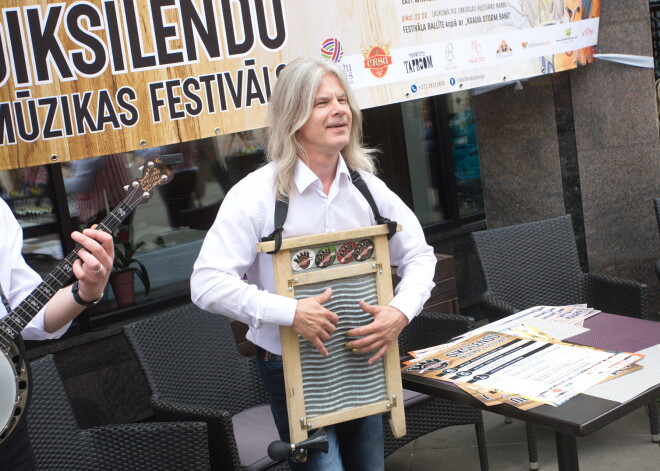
(14, 370)
(321, 390)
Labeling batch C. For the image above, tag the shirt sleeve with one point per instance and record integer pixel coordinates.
(22, 280)
(227, 254)
(409, 252)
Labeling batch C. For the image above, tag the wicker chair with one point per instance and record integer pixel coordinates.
(59, 444)
(425, 414)
(195, 372)
(537, 264)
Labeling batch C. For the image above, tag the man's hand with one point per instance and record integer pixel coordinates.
(92, 268)
(314, 322)
(377, 336)
(94, 262)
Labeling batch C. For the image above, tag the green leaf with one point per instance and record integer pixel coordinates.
(125, 259)
(144, 277)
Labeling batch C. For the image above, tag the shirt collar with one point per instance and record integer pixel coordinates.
(304, 176)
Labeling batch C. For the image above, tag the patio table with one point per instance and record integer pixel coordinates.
(585, 413)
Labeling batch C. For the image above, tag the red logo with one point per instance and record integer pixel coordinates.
(377, 59)
(346, 252)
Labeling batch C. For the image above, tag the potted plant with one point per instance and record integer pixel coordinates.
(125, 267)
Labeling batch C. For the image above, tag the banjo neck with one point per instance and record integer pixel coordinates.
(15, 321)
(157, 172)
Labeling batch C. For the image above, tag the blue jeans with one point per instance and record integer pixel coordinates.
(356, 445)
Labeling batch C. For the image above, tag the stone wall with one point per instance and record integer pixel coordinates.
(605, 173)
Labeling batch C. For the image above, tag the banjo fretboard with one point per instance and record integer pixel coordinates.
(16, 320)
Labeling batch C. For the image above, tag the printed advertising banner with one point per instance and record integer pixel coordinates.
(95, 77)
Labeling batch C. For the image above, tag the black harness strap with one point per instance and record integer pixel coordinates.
(282, 208)
(5, 301)
(361, 185)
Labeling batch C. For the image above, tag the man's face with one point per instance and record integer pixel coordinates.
(573, 10)
(328, 128)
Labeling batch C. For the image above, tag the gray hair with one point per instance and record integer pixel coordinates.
(289, 108)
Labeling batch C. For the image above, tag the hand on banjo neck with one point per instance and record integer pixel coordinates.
(14, 370)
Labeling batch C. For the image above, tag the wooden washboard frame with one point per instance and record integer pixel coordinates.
(371, 276)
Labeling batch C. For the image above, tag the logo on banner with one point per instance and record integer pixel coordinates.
(418, 61)
(450, 59)
(377, 59)
(504, 50)
(528, 45)
(331, 49)
(567, 37)
(477, 57)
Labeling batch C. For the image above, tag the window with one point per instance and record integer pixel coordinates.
(419, 132)
(29, 194)
(654, 7)
(429, 157)
(165, 233)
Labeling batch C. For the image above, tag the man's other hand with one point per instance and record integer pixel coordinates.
(314, 322)
(376, 337)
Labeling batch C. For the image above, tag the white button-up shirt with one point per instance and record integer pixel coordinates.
(246, 215)
(17, 278)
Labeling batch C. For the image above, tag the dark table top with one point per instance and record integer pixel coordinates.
(582, 414)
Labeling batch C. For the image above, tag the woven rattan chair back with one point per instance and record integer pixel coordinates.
(189, 357)
(432, 329)
(531, 264)
(61, 445)
(56, 438)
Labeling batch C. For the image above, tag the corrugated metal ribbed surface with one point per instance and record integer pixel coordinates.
(343, 379)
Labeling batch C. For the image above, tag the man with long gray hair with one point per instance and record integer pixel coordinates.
(314, 141)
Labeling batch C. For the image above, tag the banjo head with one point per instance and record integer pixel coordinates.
(8, 391)
(14, 389)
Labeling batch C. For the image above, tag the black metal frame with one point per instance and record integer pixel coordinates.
(654, 10)
(449, 197)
